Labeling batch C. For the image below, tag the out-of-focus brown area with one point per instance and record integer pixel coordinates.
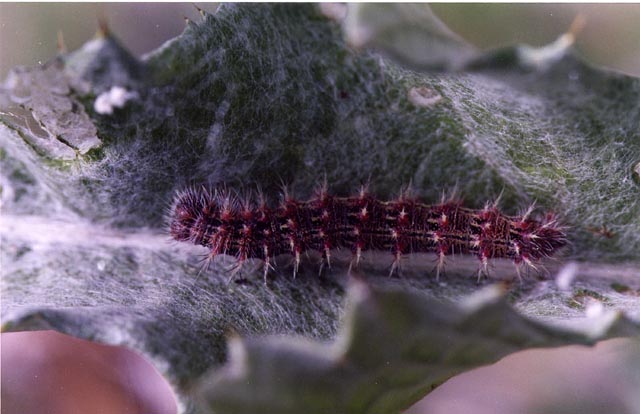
(567, 380)
(48, 372)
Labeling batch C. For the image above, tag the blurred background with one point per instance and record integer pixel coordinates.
(28, 31)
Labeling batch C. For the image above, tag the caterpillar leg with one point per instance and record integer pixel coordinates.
(356, 259)
(296, 263)
(440, 265)
(326, 259)
(395, 266)
(519, 272)
(235, 269)
(540, 269)
(205, 263)
(484, 268)
(267, 265)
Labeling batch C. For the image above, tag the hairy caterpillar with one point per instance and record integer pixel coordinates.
(228, 225)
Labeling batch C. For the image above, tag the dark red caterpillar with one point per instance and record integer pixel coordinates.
(227, 225)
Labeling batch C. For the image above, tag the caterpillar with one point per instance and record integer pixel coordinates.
(230, 225)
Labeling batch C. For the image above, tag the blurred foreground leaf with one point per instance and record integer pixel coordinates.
(394, 347)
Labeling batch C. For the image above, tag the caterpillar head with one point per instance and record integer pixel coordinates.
(191, 209)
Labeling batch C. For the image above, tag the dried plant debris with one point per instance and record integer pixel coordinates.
(39, 104)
